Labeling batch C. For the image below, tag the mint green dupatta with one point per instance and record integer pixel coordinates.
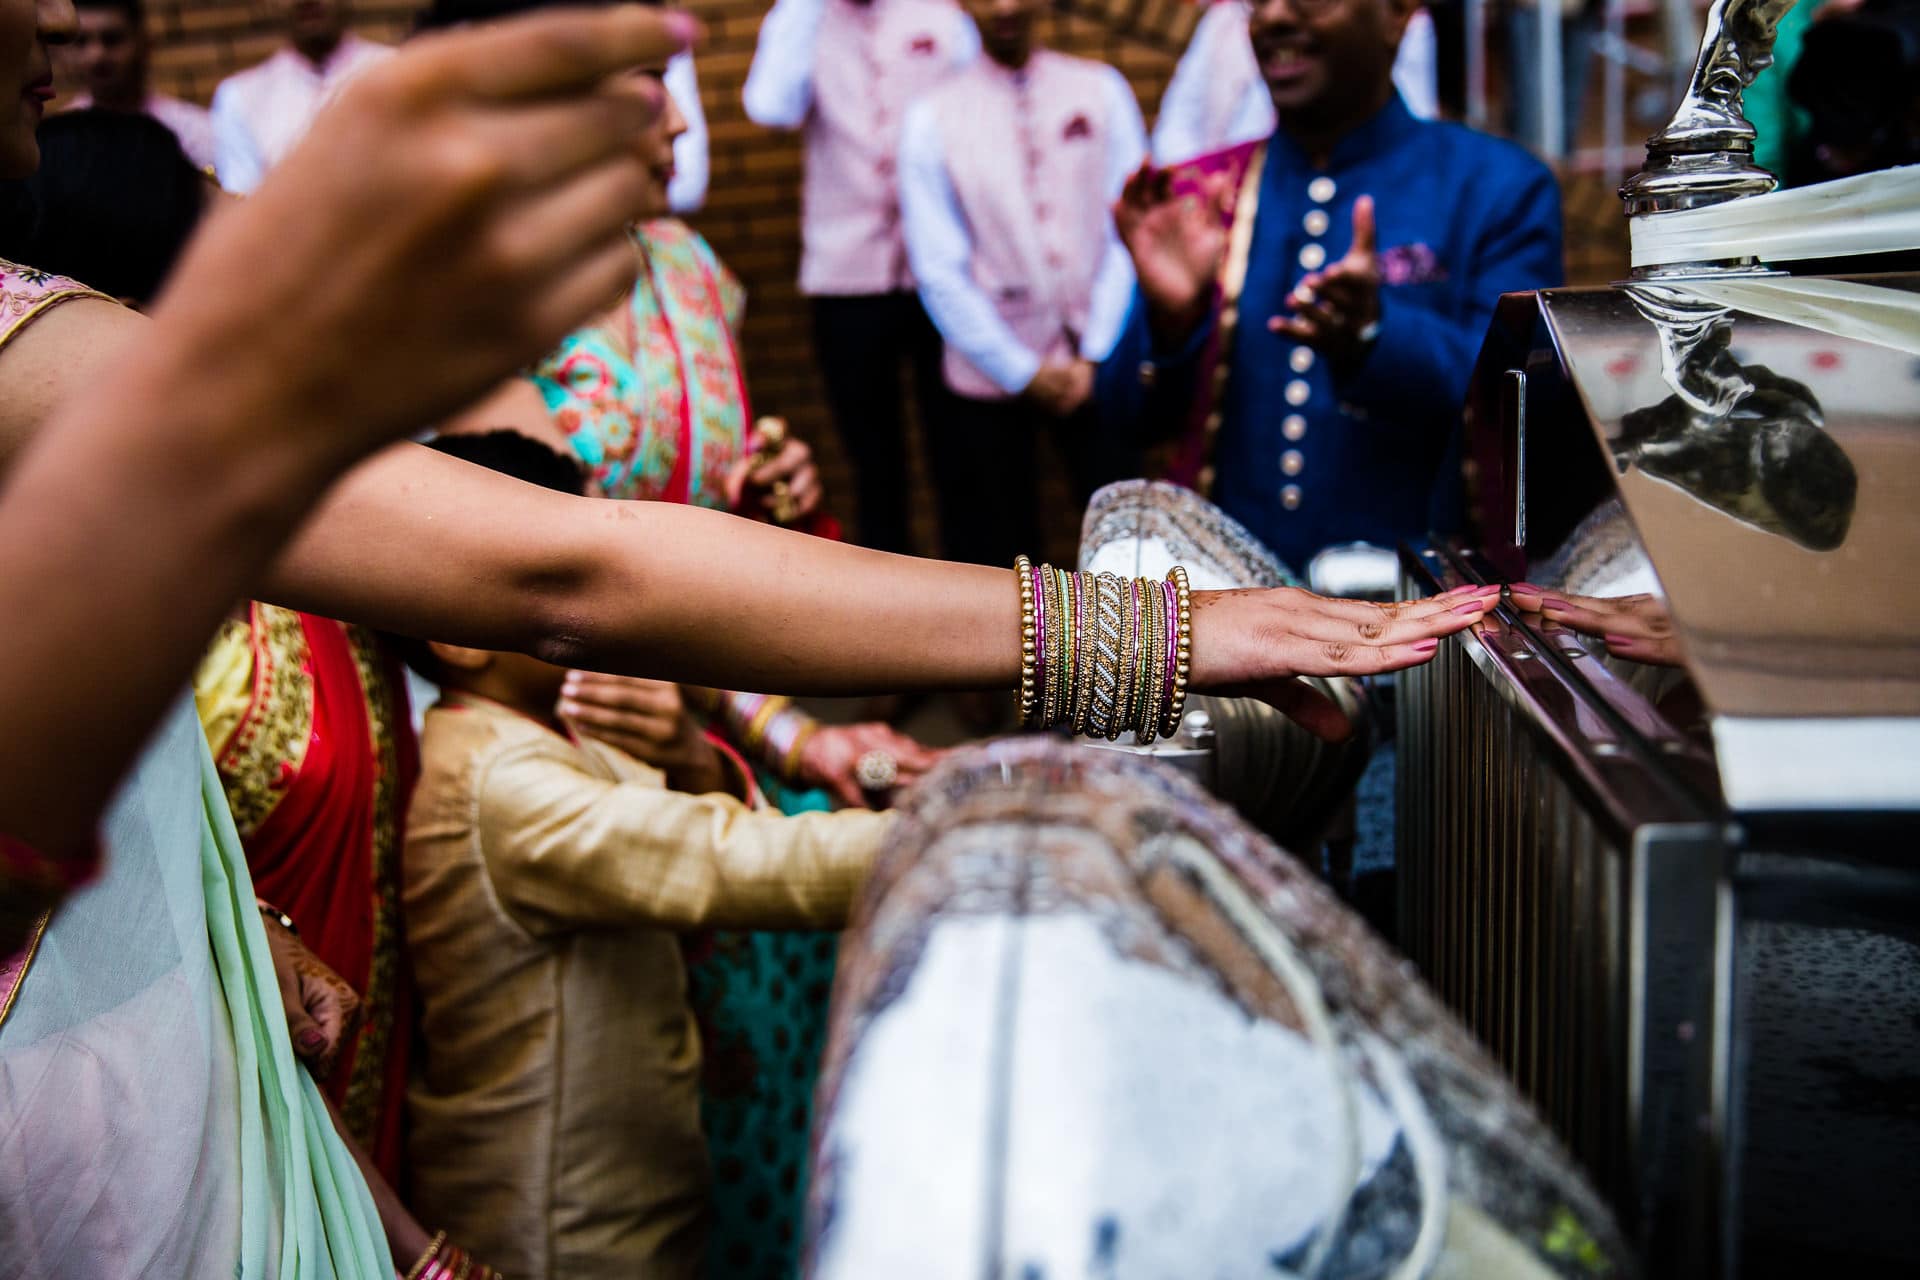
(153, 1118)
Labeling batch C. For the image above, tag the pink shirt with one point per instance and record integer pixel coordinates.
(1026, 267)
(191, 124)
(846, 73)
(260, 113)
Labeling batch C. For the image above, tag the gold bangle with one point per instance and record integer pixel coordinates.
(1050, 676)
(754, 732)
(1107, 642)
(1023, 575)
(434, 1247)
(1183, 649)
(790, 763)
(1128, 654)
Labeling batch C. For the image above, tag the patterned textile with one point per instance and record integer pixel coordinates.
(651, 396)
(653, 400)
(313, 742)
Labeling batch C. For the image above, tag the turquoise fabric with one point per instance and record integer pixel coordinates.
(762, 1002)
(1777, 120)
(327, 1223)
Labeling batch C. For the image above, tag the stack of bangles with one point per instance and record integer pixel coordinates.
(765, 728)
(444, 1261)
(1101, 654)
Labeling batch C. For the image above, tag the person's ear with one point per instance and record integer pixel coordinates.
(1399, 14)
(458, 657)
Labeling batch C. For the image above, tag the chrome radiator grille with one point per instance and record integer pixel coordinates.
(1561, 899)
(1512, 904)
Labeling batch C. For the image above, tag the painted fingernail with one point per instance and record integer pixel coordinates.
(1622, 642)
(1471, 606)
(312, 1040)
(1529, 588)
(1426, 646)
(1561, 605)
(684, 26)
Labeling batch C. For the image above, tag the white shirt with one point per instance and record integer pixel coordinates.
(940, 247)
(260, 113)
(1220, 47)
(688, 190)
(191, 124)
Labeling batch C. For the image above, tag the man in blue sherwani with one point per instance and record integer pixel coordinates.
(1310, 306)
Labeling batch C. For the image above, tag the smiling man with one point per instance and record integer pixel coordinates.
(261, 112)
(1310, 304)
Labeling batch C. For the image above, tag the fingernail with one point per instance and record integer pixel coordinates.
(685, 26)
(568, 707)
(1551, 603)
(1529, 588)
(1426, 646)
(1471, 606)
(312, 1041)
(1622, 642)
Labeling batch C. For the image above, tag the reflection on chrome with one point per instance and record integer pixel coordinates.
(1739, 437)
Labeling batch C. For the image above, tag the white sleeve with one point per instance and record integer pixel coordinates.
(1415, 71)
(779, 89)
(688, 190)
(940, 247)
(1113, 285)
(1178, 129)
(236, 160)
(966, 41)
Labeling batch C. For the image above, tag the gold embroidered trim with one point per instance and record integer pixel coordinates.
(367, 1083)
(19, 975)
(21, 307)
(270, 742)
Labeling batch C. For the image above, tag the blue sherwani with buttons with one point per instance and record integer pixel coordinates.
(1308, 456)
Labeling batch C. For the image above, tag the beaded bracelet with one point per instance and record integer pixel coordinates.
(1101, 654)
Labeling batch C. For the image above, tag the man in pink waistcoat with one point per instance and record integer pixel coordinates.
(844, 72)
(1007, 175)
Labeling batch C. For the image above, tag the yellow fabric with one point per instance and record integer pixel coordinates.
(555, 1119)
(223, 685)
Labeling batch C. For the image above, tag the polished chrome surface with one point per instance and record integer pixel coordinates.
(1772, 474)
(1704, 155)
(1284, 780)
(1087, 1022)
(1558, 882)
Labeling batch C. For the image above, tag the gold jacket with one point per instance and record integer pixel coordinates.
(555, 1109)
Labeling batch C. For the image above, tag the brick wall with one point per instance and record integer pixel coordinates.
(753, 206)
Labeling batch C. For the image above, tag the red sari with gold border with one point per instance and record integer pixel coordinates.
(314, 745)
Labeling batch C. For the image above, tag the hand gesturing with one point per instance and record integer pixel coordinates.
(1333, 308)
(1176, 242)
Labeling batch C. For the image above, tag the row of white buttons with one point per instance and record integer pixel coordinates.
(1300, 359)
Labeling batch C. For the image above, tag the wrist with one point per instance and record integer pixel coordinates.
(1173, 325)
(701, 770)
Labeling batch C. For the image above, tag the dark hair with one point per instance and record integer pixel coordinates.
(136, 10)
(511, 453)
(112, 204)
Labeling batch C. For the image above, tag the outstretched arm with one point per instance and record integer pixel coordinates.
(428, 545)
(376, 280)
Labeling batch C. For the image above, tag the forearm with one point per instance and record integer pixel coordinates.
(426, 545)
(129, 526)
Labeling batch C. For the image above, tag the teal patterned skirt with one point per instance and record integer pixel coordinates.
(762, 1003)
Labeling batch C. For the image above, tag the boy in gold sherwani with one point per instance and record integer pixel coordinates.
(555, 1112)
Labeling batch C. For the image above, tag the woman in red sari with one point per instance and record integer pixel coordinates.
(311, 734)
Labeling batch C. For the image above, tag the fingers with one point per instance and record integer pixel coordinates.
(1364, 234)
(597, 276)
(551, 53)
(631, 693)
(539, 143)
(784, 465)
(1306, 706)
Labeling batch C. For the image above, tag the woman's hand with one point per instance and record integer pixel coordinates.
(1253, 644)
(649, 721)
(831, 760)
(321, 1008)
(456, 211)
(755, 490)
(1637, 627)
